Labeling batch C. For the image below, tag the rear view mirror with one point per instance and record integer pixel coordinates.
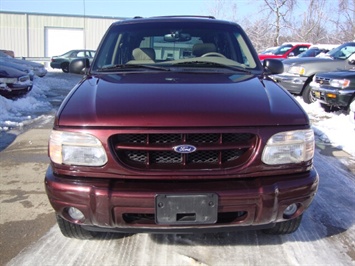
(177, 37)
(351, 59)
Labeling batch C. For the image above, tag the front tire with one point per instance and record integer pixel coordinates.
(72, 230)
(307, 94)
(286, 227)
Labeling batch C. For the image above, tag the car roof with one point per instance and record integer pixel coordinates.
(205, 19)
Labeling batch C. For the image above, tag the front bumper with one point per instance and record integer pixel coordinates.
(129, 205)
(332, 96)
(12, 90)
(293, 83)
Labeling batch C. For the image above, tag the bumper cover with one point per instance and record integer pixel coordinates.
(332, 96)
(293, 83)
(130, 206)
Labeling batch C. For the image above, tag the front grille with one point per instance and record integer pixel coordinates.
(323, 81)
(144, 218)
(155, 151)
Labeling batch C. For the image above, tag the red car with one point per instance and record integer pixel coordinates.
(286, 50)
(177, 128)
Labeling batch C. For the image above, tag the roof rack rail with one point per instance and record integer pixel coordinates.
(180, 16)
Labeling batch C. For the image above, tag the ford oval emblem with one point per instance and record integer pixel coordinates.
(184, 148)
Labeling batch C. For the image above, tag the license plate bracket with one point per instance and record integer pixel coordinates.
(180, 209)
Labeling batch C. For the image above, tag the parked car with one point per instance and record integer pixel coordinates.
(334, 90)
(37, 68)
(182, 131)
(317, 49)
(13, 82)
(9, 53)
(286, 50)
(62, 61)
(299, 72)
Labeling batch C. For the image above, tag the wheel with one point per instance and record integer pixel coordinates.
(72, 230)
(213, 54)
(286, 227)
(307, 94)
(65, 67)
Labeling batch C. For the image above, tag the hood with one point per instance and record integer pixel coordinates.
(338, 74)
(177, 99)
(9, 72)
(308, 60)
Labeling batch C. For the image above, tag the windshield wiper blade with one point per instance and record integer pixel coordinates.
(130, 66)
(204, 63)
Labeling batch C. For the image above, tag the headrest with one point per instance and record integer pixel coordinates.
(143, 54)
(203, 48)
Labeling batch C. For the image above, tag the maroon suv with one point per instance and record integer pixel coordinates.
(177, 128)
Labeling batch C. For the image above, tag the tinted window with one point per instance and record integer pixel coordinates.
(169, 42)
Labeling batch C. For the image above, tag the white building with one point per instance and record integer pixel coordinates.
(44, 35)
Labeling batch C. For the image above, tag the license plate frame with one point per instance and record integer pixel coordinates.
(182, 209)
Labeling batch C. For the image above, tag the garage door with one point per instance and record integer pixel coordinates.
(61, 40)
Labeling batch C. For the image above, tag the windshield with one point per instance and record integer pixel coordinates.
(312, 52)
(282, 49)
(343, 51)
(173, 44)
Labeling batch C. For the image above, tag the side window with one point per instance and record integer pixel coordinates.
(244, 51)
(81, 54)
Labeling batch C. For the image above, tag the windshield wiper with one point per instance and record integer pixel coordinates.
(130, 66)
(204, 63)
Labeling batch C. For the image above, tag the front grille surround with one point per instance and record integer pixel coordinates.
(155, 151)
(323, 81)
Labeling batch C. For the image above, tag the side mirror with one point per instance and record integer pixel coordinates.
(273, 66)
(292, 54)
(351, 59)
(79, 65)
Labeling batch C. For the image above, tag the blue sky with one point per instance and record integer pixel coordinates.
(115, 8)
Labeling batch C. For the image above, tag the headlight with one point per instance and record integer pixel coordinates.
(339, 83)
(297, 70)
(289, 147)
(76, 149)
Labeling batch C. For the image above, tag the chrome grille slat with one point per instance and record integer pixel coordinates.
(325, 81)
(155, 151)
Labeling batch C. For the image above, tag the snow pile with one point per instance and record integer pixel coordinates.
(334, 128)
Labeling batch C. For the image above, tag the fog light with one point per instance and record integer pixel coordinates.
(75, 214)
(331, 95)
(291, 209)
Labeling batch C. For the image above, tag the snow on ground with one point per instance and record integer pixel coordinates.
(335, 128)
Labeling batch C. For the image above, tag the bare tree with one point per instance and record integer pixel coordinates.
(311, 27)
(260, 32)
(223, 9)
(346, 20)
(277, 12)
(278, 21)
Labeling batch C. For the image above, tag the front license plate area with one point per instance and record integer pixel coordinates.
(180, 209)
(317, 94)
